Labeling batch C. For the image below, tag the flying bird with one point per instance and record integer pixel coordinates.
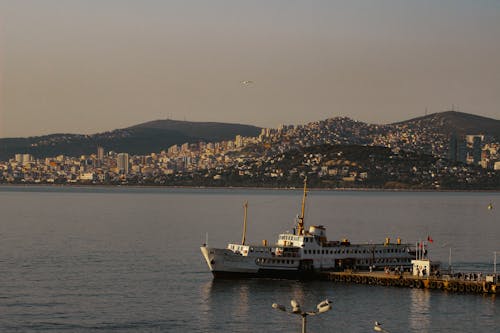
(246, 82)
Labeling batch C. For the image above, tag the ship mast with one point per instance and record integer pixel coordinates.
(300, 224)
(245, 205)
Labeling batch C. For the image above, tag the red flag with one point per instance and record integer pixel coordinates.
(429, 239)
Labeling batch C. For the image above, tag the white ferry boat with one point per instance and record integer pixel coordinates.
(303, 253)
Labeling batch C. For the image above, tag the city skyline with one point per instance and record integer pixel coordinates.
(87, 67)
(330, 152)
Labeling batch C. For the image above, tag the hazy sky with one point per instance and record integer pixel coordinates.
(86, 66)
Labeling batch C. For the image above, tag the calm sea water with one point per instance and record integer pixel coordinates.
(128, 260)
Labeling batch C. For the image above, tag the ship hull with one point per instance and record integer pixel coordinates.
(266, 274)
(224, 264)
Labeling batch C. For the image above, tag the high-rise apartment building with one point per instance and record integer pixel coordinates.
(238, 141)
(474, 145)
(122, 163)
(100, 153)
(23, 158)
(458, 149)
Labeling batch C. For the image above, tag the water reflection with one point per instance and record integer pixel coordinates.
(245, 305)
(419, 318)
(225, 304)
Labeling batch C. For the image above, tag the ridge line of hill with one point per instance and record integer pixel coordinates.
(157, 135)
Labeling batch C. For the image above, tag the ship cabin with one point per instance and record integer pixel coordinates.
(316, 237)
(315, 246)
(264, 250)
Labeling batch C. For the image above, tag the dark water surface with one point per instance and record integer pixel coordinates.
(128, 260)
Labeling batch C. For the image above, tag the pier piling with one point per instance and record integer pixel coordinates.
(410, 281)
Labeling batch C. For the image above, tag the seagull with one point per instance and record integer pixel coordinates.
(246, 82)
(378, 327)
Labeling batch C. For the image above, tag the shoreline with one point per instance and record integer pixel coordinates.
(324, 189)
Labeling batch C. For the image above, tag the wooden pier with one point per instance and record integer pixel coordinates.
(408, 280)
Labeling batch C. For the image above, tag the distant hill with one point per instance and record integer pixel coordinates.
(144, 138)
(158, 135)
(457, 122)
(209, 131)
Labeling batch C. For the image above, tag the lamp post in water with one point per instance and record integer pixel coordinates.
(495, 263)
(320, 308)
(449, 256)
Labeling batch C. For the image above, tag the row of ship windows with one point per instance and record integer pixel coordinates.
(273, 261)
(291, 238)
(352, 251)
(359, 262)
(378, 261)
(384, 261)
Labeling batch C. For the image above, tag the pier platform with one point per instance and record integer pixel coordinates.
(408, 280)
